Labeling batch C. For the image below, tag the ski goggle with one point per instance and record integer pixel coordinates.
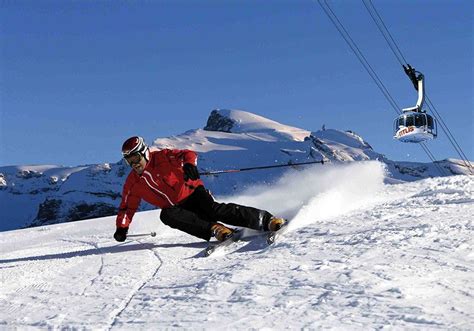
(133, 159)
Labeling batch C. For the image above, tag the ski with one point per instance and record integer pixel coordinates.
(272, 236)
(212, 248)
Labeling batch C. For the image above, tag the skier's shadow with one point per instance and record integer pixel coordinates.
(120, 248)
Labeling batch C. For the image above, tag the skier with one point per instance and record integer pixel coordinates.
(169, 179)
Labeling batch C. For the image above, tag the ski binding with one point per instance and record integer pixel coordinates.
(212, 248)
(272, 236)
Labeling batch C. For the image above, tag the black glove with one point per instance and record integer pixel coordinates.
(121, 234)
(190, 171)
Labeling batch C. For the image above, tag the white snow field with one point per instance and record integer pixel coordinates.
(361, 254)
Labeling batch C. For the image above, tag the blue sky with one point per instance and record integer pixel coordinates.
(79, 77)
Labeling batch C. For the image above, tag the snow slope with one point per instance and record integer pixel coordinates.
(361, 255)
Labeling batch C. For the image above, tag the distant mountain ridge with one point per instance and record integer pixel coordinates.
(37, 195)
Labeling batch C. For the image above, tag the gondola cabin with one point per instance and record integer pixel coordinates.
(414, 127)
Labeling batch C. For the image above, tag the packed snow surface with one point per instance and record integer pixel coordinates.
(360, 254)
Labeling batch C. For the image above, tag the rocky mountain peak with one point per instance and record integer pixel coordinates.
(217, 121)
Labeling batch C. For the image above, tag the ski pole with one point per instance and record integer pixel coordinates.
(153, 233)
(208, 173)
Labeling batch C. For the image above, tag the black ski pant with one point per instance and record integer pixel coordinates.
(199, 211)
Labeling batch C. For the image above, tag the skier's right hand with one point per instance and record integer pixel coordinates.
(190, 172)
(121, 234)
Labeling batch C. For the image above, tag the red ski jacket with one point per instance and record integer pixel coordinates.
(161, 183)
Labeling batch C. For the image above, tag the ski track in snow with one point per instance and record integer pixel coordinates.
(357, 257)
(116, 316)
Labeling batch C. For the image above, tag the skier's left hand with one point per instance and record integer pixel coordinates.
(190, 171)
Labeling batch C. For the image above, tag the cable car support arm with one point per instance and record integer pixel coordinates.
(418, 80)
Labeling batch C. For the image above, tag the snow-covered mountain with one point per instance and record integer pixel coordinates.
(38, 195)
(361, 254)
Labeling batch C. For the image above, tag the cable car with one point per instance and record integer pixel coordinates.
(415, 125)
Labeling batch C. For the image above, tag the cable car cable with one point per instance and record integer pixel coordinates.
(346, 36)
(394, 47)
(399, 56)
(393, 44)
(431, 156)
(453, 141)
(360, 56)
(365, 63)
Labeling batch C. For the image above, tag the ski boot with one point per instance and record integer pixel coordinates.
(276, 227)
(221, 232)
(275, 223)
